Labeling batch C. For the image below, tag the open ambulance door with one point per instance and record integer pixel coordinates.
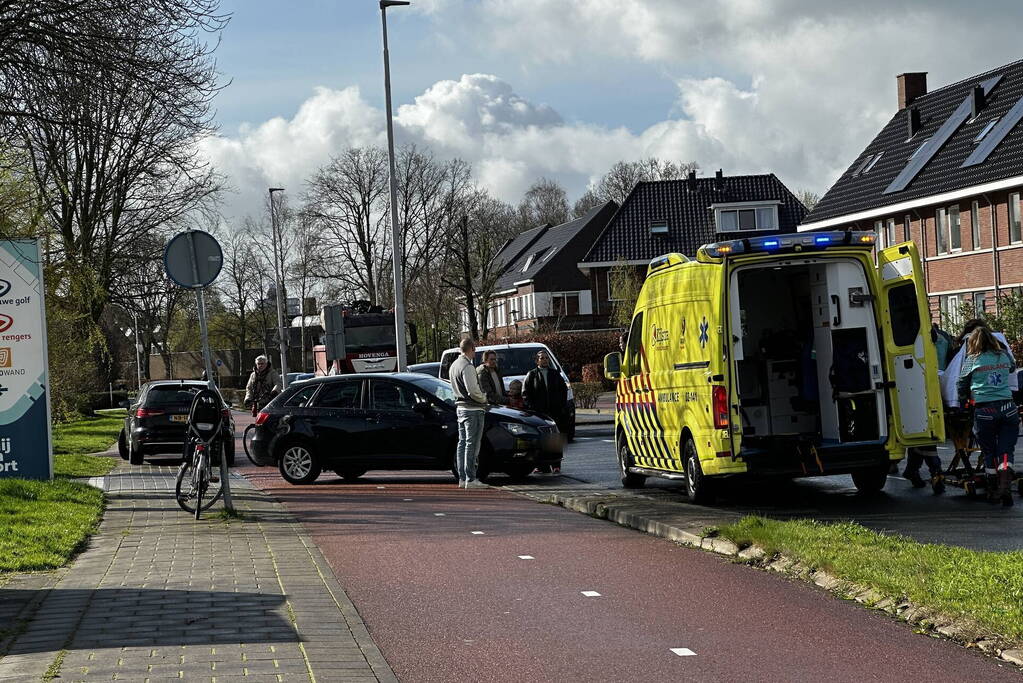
(911, 361)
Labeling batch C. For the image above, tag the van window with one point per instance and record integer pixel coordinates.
(633, 364)
(905, 316)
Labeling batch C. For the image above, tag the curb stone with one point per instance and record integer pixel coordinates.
(637, 514)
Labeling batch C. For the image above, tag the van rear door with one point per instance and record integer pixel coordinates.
(910, 357)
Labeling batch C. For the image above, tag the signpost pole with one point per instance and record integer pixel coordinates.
(225, 481)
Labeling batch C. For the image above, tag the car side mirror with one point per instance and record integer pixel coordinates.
(613, 366)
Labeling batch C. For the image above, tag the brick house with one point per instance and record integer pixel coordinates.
(539, 286)
(945, 172)
(665, 216)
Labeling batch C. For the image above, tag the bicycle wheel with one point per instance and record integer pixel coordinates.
(200, 481)
(185, 490)
(247, 437)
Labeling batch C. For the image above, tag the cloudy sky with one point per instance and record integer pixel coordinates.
(564, 88)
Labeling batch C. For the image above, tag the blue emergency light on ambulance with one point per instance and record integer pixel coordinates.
(795, 354)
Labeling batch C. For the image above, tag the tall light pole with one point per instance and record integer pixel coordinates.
(399, 295)
(138, 343)
(279, 283)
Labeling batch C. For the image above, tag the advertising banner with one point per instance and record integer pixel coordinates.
(25, 444)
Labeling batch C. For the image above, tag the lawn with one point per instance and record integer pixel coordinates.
(986, 587)
(43, 523)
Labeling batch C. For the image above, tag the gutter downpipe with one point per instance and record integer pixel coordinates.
(996, 266)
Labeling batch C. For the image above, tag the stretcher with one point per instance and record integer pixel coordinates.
(961, 473)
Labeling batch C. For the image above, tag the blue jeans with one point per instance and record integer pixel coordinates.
(470, 434)
(997, 427)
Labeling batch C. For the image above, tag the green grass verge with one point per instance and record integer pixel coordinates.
(986, 587)
(72, 442)
(44, 522)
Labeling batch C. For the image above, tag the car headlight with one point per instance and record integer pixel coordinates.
(519, 429)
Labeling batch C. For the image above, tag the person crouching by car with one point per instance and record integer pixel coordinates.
(985, 378)
(470, 407)
(515, 395)
(491, 382)
(264, 383)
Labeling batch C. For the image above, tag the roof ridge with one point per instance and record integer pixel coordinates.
(976, 77)
(706, 177)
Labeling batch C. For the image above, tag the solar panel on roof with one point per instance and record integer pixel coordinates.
(937, 141)
(988, 144)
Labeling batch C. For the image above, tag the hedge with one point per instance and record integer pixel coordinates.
(576, 349)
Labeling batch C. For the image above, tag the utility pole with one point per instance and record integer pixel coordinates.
(396, 251)
(279, 284)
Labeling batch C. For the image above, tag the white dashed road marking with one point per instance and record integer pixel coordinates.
(609, 440)
(526, 557)
(591, 594)
(381, 487)
(406, 499)
(476, 533)
(683, 652)
(438, 514)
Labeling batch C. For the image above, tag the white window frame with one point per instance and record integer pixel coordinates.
(959, 227)
(941, 231)
(948, 305)
(756, 207)
(975, 224)
(1015, 220)
(659, 227)
(564, 297)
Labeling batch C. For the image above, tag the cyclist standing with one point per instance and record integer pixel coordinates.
(264, 383)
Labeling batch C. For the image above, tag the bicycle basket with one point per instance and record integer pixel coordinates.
(205, 417)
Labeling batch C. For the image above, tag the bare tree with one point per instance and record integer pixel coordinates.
(344, 199)
(589, 201)
(622, 177)
(304, 263)
(808, 197)
(544, 202)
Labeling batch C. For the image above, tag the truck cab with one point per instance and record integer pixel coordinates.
(790, 355)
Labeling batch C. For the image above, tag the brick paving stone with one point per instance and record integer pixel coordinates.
(159, 596)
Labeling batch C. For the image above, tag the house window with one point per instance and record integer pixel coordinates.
(566, 303)
(907, 222)
(658, 227)
(984, 131)
(1014, 219)
(873, 162)
(975, 224)
(955, 233)
(941, 230)
(533, 258)
(747, 219)
(951, 310)
(979, 302)
(881, 237)
(889, 232)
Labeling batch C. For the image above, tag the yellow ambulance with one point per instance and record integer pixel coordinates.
(792, 355)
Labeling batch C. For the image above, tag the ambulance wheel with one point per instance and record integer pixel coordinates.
(629, 480)
(870, 480)
(700, 490)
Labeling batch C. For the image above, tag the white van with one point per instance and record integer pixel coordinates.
(515, 360)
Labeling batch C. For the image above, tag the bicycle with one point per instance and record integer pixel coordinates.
(203, 443)
(247, 437)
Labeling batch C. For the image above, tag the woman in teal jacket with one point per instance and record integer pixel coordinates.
(985, 378)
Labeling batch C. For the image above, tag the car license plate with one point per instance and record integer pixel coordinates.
(179, 418)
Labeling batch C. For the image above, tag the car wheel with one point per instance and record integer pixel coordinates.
(629, 479)
(122, 445)
(135, 456)
(298, 464)
(700, 490)
(870, 480)
(350, 475)
(519, 473)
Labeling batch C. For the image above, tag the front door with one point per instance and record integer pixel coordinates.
(341, 424)
(911, 361)
(408, 434)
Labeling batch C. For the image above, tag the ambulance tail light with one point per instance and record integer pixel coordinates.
(720, 407)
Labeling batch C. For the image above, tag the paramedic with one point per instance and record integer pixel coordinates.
(985, 378)
(915, 457)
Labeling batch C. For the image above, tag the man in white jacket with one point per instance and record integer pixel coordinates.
(470, 406)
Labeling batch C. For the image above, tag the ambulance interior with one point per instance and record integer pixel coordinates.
(807, 359)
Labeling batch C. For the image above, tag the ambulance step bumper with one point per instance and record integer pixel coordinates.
(656, 473)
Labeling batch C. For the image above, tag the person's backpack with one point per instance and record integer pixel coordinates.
(850, 369)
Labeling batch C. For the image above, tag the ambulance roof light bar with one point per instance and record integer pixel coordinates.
(790, 242)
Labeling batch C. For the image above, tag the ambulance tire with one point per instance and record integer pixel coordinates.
(870, 480)
(700, 491)
(629, 480)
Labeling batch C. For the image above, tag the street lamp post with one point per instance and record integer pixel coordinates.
(399, 295)
(138, 344)
(279, 284)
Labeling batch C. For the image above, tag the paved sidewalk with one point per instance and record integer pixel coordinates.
(159, 596)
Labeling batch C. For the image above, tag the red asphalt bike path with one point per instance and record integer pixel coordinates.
(444, 604)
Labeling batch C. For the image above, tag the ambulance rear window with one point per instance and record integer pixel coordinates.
(905, 315)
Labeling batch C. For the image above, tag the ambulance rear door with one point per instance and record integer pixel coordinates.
(911, 368)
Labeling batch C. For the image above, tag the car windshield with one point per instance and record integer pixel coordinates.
(440, 389)
(515, 361)
(171, 396)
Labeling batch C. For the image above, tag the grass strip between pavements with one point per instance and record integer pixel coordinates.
(44, 523)
(983, 587)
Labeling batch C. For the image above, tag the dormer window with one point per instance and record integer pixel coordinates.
(746, 216)
(987, 129)
(658, 227)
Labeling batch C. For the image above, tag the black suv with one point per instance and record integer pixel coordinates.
(156, 422)
(354, 423)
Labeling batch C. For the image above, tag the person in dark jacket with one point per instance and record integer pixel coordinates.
(490, 380)
(544, 390)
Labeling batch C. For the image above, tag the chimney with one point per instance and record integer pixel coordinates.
(691, 181)
(978, 101)
(911, 86)
(719, 180)
(913, 121)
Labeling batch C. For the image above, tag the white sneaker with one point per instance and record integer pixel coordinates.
(461, 483)
(475, 484)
